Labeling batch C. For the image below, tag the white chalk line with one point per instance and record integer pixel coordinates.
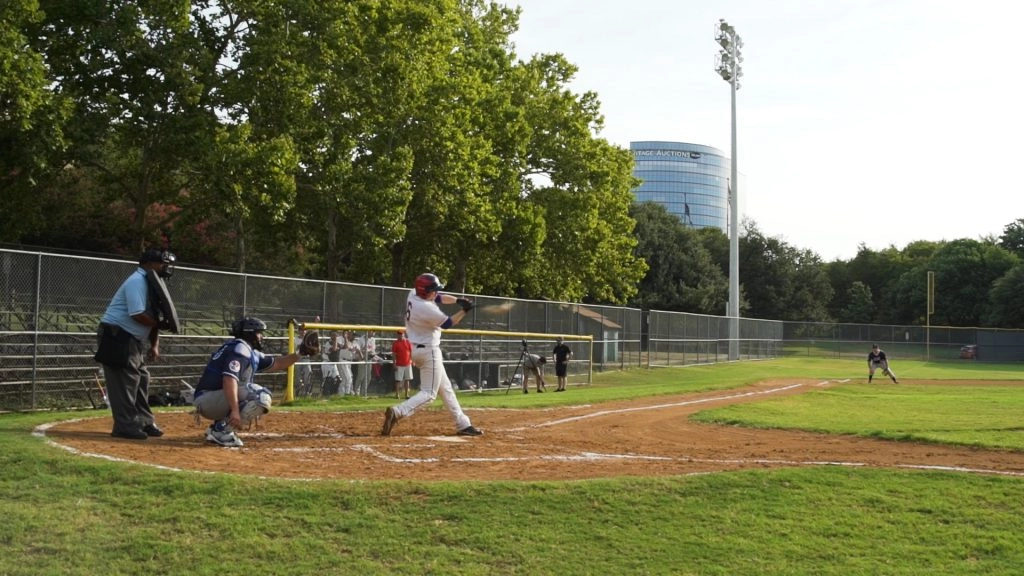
(654, 407)
(40, 431)
(586, 457)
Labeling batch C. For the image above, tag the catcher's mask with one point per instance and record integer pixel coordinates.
(427, 283)
(249, 329)
(164, 257)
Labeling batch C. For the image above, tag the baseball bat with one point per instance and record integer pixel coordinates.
(88, 394)
(103, 393)
(493, 308)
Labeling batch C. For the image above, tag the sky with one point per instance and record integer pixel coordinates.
(859, 122)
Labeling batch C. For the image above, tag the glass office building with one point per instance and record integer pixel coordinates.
(689, 180)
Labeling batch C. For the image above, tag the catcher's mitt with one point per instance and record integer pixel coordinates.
(310, 344)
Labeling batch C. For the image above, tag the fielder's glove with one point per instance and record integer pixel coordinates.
(465, 303)
(310, 344)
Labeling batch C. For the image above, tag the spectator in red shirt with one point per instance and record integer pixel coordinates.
(401, 352)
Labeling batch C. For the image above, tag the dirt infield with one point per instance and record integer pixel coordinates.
(646, 437)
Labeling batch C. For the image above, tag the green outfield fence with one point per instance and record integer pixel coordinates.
(50, 305)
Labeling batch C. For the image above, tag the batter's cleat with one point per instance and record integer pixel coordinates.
(390, 419)
(226, 438)
(469, 431)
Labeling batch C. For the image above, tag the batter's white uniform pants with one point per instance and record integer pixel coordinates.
(433, 381)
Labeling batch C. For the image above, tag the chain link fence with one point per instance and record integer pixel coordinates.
(678, 338)
(51, 304)
(833, 340)
(681, 338)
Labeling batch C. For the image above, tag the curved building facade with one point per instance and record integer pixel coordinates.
(689, 180)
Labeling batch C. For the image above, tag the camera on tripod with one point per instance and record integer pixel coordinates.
(523, 344)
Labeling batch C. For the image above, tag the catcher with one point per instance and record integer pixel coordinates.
(226, 392)
(876, 360)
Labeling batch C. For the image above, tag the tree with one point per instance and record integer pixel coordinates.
(131, 70)
(860, 308)
(812, 291)
(681, 275)
(767, 272)
(839, 278)
(509, 171)
(464, 190)
(779, 281)
(964, 270)
(879, 271)
(32, 119)
(1012, 239)
(717, 245)
(1006, 306)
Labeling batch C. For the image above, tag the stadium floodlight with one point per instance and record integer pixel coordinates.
(728, 67)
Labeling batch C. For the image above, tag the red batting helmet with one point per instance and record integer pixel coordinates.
(427, 283)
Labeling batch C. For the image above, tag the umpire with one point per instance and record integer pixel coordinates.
(128, 337)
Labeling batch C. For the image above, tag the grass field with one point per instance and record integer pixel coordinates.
(67, 514)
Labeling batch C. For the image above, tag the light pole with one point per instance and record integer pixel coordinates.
(728, 67)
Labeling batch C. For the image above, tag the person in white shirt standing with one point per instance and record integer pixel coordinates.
(347, 355)
(367, 347)
(424, 321)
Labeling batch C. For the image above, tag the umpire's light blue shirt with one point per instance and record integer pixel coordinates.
(130, 299)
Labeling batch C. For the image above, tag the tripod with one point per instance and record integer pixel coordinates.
(519, 364)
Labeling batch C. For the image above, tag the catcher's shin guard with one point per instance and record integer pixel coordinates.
(255, 405)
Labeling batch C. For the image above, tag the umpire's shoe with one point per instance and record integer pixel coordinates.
(390, 419)
(129, 433)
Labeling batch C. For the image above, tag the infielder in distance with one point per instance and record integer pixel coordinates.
(424, 321)
(876, 360)
(226, 392)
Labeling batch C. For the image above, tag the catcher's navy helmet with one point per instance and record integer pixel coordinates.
(247, 329)
(427, 283)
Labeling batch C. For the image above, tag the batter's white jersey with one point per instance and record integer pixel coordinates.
(423, 320)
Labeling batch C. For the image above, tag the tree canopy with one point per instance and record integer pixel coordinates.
(371, 140)
(359, 140)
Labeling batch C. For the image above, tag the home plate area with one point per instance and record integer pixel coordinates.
(644, 437)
